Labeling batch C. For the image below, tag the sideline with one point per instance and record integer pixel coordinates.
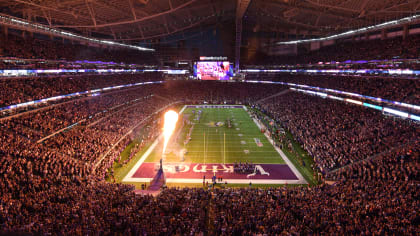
(133, 170)
(131, 130)
(295, 171)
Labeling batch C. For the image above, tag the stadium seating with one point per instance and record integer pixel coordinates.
(33, 88)
(56, 185)
(394, 88)
(393, 48)
(39, 48)
(336, 134)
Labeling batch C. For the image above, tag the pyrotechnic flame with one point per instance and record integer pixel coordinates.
(170, 119)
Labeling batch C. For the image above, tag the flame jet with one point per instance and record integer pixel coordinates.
(170, 119)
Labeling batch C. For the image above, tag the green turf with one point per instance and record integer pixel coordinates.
(213, 153)
(218, 144)
(297, 155)
(121, 171)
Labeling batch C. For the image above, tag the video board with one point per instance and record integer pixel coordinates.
(213, 70)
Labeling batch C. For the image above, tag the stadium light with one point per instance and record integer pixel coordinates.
(398, 113)
(354, 32)
(20, 23)
(77, 94)
(401, 104)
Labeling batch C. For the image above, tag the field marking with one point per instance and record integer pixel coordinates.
(145, 155)
(216, 134)
(216, 163)
(200, 129)
(140, 162)
(236, 151)
(232, 145)
(233, 136)
(182, 110)
(288, 162)
(229, 181)
(243, 158)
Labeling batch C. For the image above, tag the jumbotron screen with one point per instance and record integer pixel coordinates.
(213, 70)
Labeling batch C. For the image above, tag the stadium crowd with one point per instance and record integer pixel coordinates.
(219, 93)
(34, 88)
(37, 47)
(72, 152)
(341, 51)
(51, 186)
(395, 89)
(335, 134)
(378, 197)
(65, 207)
(54, 159)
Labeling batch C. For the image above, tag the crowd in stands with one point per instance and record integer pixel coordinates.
(73, 152)
(219, 93)
(377, 49)
(35, 47)
(57, 186)
(33, 88)
(374, 198)
(336, 134)
(102, 208)
(148, 133)
(75, 111)
(372, 67)
(14, 63)
(379, 197)
(143, 134)
(395, 89)
(82, 109)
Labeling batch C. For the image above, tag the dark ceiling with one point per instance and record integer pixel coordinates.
(137, 20)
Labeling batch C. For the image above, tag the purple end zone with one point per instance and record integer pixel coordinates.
(214, 106)
(198, 171)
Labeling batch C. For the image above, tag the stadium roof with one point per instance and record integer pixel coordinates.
(136, 20)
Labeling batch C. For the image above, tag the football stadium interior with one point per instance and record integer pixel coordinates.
(209, 117)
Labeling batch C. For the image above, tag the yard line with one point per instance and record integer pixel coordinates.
(233, 152)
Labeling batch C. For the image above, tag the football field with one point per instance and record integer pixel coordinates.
(217, 140)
